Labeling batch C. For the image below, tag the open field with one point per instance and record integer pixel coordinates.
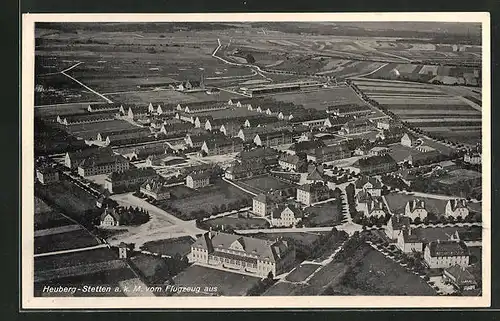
(90, 131)
(397, 203)
(377, 275)
(171, 247)
(45, 217)
(112, 278)
(264, 184)
(428, 73)
(434, 109)
(227, 283)
(53, 262)
(327, 214)
(207, 198)
(64, 241)
(320, 99)
(69, 198)
(60, 89)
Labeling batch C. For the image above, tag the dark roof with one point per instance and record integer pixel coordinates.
(268, 198)
(307, 145)
(411, 236)
(461, 274)
(106, 133)
(397, 221)
(156, 185)
(274, 134)
(201, 174)
(347, 108)
(87, 117)
(291, 159)
(245, 167)
(222, 142)
(98, 160)
(376, 160)
(296, 211)
(457, 203)
(111, 211)
(313, 187)
(416, 204)
(448, 248)
(360, 182)
(258, 152)
(253, 247)
(132, 173)
(139, 109)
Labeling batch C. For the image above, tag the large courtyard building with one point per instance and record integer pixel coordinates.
(237, 253)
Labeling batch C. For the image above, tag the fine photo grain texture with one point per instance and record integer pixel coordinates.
(257, 159)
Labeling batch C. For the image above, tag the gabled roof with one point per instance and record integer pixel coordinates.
(268, 198)
(98, 160)
(411, 236)
(269, 134)
(457, 203)
(257, 153)
(296, 211)
(132, 173)
(398, 221)
(201, 174)
(111, 211)
(315, 173)
(416, 204)
(290, 159)
(360, 182)
(266, 250)
(307, 145)
(448, 248)
(156, 185)
(376, 160)
(85, 153)
(313, 187)
(461, 274)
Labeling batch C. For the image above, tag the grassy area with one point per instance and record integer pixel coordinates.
(64, 241)
(181, 246)
(264, 184)
(45, 217)
(377, 275)
(397, 203)
(227, 283)
(321, 99)
(110, 278)
(284, 289)
(70, 199)
(302, 272)
(74, 259)
(207, 201)
(90, 131)
(327, 214)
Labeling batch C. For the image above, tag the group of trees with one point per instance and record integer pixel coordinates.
(470, 188)
(133, 216)
(394, 182)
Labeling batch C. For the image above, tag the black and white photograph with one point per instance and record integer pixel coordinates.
(263, 160)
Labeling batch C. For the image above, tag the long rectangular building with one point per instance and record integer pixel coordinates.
(237, 253)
